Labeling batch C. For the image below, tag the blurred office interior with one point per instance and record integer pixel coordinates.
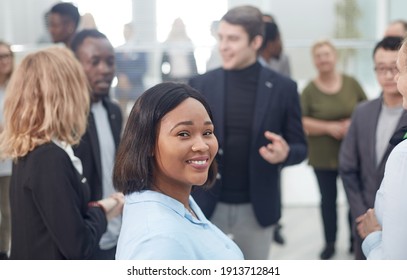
(353, 25)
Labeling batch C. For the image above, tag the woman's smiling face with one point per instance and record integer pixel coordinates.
(185, 148)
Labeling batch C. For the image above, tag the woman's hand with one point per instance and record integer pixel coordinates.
(338, 129)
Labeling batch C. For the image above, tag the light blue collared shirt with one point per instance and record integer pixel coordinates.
(156, 226)
(391, 210)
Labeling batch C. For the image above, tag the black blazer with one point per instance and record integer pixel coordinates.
(50, 217)
(88, 149)
(277, 109)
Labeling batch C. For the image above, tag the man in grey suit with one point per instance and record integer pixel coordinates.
(365, 148)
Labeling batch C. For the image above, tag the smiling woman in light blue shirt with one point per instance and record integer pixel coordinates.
(167, 230)
(168, 147)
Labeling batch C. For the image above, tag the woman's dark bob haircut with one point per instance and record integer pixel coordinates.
(134, 165)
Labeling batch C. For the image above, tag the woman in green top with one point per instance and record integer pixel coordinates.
(327, 104)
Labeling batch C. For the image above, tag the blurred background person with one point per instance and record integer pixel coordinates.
(46, 106)
(6, 69)
(268, 18)
(87, 21)
(327, 103)
(97, 148)
(169, 147)
(215, 60)
(178, 62)
(131, 67)
(63, 20)
(365, 148)
(271, 52)
(397, 28)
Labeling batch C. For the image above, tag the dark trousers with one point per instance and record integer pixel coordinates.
(109, 254)
(329, 191)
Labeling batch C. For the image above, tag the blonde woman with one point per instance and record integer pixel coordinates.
(6, 69)
(46, 109)
(327, 103)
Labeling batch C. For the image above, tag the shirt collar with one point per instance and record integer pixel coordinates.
(175, 205)
(68, 149)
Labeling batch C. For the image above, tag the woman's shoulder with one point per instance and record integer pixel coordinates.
(310, 87)
(350, 79)
(401, 147)
(154, 207)
(150, 219)
(398, 156)
(48, 151)
(47, 156)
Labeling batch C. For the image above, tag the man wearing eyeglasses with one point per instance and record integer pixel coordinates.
(366, 146)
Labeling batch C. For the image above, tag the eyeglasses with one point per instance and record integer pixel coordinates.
(5, 56)
(382, 71)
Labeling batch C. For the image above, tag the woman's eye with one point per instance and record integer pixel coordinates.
(209, 132)
(183, 134)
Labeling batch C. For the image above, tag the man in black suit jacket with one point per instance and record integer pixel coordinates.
(257, 120)
(98, 145)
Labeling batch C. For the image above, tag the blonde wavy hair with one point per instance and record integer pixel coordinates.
(47, 98)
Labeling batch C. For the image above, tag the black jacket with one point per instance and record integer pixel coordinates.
(50, 216)
(88, 149)
(278, 110)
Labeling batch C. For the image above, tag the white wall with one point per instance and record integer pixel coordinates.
(22, 21)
